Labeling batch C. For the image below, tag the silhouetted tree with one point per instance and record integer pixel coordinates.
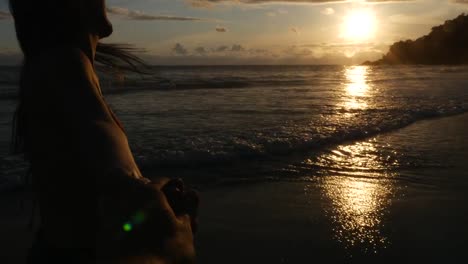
(445, 44)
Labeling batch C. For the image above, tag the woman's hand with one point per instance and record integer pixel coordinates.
(183, 200)
(147, 222)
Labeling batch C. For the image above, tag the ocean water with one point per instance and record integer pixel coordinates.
(317, 140)
(252, 123)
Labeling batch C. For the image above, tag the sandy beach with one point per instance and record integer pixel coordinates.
(329, 219)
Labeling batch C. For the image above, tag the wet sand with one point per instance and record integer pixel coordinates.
(321, 221)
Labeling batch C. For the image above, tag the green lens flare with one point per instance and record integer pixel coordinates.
(127, 227)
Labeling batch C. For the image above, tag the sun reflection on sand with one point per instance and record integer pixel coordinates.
(358, 207)
(359, 189)
(356, 87)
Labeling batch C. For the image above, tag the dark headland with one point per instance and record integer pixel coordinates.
(446, 44)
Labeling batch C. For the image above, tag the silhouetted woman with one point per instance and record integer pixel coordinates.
(95, 205)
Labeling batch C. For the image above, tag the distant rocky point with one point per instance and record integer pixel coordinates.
(446, 44)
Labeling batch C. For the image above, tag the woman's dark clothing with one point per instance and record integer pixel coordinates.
(42, 253)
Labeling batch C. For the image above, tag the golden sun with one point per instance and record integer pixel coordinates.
(359, 25)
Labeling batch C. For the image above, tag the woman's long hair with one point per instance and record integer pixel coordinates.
(42, 23)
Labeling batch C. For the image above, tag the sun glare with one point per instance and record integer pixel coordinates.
(359, 25)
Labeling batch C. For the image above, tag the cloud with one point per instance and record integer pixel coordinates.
(307, 50)
(282, 11)
(277, 12)
(237, 48)
(235, 53)
(295, 30)
(422, 19)
(264, 57)
(210, 3)
(4, 15)
(200, 50)
(346, 50)
(328, 11)
(138, 15)
(238, 54)
(179, 49)
(200, 3)
(298, 51)
(221, 29)
(221, 48)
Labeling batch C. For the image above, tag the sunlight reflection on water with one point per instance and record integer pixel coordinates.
(359, 190)
(356, 87)
(357, 180)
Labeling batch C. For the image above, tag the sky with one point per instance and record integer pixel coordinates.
(216, 32)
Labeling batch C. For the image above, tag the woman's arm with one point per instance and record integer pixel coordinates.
(91, 132)
(101, 147)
